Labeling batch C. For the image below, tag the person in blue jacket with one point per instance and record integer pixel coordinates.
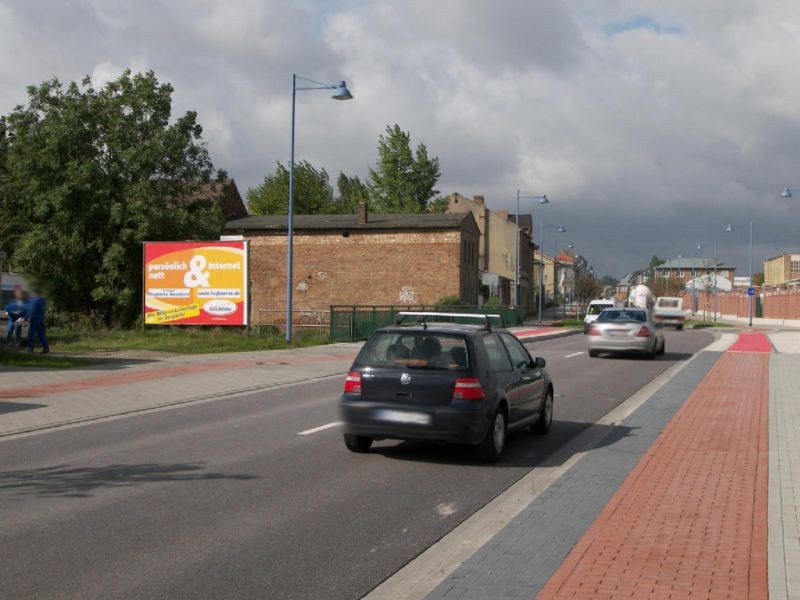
(35, 317)
(15, 311)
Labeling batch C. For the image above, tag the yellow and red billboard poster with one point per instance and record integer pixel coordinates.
(195, 283)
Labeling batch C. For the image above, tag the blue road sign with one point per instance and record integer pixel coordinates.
(751, 291)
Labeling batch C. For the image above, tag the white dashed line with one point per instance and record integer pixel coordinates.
(320, 428)
(573, 354)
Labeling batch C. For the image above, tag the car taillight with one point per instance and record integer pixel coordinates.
(593, 330)
(468, 388)
(352, 383)
(643, 332)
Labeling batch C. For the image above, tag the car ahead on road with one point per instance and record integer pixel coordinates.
(595, 308)
(669, 311)
(447, 382)
(625, 330)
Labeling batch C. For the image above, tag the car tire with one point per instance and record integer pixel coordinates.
(663, 348)
(542, 426)
(357, 443)
(593, 353)
(652, 354)
(678, 327)
(493, 444)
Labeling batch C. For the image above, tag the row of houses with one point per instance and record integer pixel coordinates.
(398, 259)
(684, 273)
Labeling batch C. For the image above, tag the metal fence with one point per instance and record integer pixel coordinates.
(350, 323)
(271, 320)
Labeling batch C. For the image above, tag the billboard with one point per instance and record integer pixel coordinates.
(196, 283)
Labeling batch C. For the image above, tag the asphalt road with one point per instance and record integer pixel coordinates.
(226, 500)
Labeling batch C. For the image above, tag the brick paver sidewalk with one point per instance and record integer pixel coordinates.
(691, 519)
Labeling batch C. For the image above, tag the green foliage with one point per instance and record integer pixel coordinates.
(450, 301)
(402, 181)
(351, 192)
(758, 278)
(87, 175)
(655, 261)
(313, 194)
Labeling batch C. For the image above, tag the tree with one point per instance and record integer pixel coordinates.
(758, 278)
(402, 181)
(351, 193)
(313, 193)
(86, 176)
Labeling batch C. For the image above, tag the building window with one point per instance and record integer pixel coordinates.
(795, 266)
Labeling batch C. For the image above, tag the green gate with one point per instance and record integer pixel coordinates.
(352, 323)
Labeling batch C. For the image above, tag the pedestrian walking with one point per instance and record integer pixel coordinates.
(35, 317)
(15, 312)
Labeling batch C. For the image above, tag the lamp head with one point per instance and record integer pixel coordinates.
(786, 193)
(341, 92)
(544, 200)
(699, 246)
(562, 229)
(570, 246)
(729, 228)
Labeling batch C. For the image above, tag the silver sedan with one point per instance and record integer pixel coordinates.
(625, 330)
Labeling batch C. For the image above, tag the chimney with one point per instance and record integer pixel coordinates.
(503, 214)
(362, 212)
(478, 200)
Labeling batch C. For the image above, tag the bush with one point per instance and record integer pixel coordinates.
(450, 301)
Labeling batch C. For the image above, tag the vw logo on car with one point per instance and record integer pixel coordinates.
(405, 378)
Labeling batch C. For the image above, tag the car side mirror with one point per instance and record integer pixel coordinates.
(539, 363)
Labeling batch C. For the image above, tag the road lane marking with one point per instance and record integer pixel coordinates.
(573, 354)
(320, 428)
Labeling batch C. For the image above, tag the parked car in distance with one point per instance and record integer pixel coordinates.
(625, 330)
(595, 308)
(669, 311)
(446, 382)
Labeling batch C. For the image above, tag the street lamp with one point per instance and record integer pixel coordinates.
(522, 195)
(730, 228)
(340, 93)
(560, 229)
(787, 192)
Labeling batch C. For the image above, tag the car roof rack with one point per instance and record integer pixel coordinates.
(423, 316)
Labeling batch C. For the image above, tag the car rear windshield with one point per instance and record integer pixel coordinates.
(668, 303)
(414, 350)
(596, 309)
(621, 316)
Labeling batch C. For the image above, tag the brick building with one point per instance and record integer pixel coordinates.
(782, 269)
(400, 259)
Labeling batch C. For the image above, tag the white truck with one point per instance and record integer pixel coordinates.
(669, 311)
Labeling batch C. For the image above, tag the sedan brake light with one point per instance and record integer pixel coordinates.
(352, 383)
(643, 332)
(468, 388)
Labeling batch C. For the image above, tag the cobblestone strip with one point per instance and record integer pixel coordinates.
(784, 477)
(691, 519)
(518, 561)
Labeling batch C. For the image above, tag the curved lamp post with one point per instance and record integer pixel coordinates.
(340, 92)
(787, 192)
(521, 196)
(560, 229)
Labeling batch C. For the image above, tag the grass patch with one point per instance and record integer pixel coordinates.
(182, 340)
(29, 359)
(706, 324)
(569, 324)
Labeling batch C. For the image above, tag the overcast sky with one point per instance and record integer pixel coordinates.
(651, 125)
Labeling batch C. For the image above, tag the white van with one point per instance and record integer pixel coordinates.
(595, 308)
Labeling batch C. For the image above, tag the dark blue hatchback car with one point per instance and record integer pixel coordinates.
(443, 381)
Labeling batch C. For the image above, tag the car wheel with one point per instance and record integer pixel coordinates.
(357, 443)
(492, 445)
(678, 327)
(652, 354)
(663, 348)
(542, 426)
(593, 353)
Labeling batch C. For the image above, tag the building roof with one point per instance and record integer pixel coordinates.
(692, 263)
(565, 257)
(525, 221)
(351, 222)
(224, 192)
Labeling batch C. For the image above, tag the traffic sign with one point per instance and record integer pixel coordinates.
(751, 291)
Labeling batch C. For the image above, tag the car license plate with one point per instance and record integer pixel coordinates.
(617, 333)
(400, 416)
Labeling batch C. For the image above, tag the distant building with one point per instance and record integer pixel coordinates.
(685, 269)
(782, 269)
(497, 253)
